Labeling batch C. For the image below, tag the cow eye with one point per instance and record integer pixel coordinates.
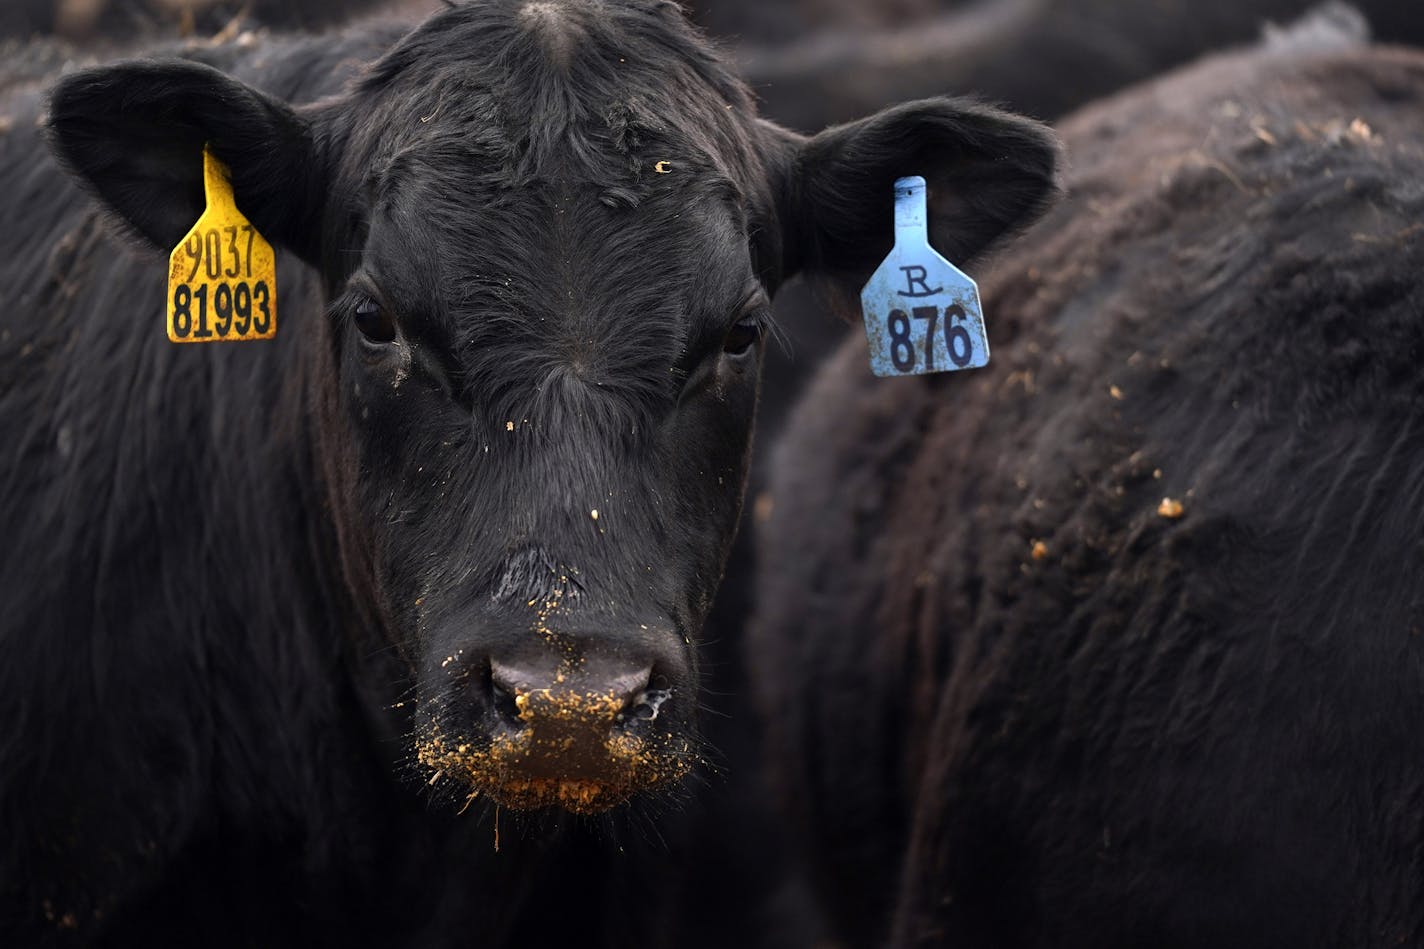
(743, 336)
(374, 322)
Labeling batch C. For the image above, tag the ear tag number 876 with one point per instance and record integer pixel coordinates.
(921, 312)
(222, 277)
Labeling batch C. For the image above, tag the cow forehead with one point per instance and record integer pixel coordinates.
(616, 88)
(553, 305)
(583, 39)
(567, 318)
(556, 259)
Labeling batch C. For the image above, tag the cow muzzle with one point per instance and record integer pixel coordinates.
(564, 728)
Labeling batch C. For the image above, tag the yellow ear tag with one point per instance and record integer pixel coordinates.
(222, 279)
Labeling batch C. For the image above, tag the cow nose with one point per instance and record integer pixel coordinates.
(581, 726)
(593, 699)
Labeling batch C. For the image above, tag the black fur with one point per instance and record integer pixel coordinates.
(1015, 702)
(235, 570)
(111, 20)
(1040, 57)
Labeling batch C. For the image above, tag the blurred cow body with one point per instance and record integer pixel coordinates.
(1119, 642)
(108, 20)
(1041, 57)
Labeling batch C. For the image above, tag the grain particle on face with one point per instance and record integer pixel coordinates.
(1170, 509)
(1115, 392)
(509, 426)
(593, 514)
(1039, 550)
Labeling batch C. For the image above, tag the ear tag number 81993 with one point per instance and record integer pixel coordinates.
(921, 312)
(222, 277)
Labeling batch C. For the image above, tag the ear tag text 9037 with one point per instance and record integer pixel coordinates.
(222, 277)
(921, 312)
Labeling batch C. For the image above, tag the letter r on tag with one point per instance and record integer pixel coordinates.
(916, 275)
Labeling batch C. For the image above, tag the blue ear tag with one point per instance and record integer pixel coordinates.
(922, 313)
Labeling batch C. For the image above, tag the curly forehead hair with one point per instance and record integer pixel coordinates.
(612, 83)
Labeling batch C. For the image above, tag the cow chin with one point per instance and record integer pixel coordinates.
(575, 752)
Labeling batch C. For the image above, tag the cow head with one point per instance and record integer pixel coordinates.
(548, 234)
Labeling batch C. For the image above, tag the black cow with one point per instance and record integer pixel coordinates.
(1120, 642)
(459, 524)
(114, 19)
(1041, 57)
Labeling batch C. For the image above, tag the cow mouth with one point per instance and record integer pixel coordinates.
(572, 753)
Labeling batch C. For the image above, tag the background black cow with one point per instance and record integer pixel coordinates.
(1041, 57)
(478, 490)
(1120, 642)
(108, 20)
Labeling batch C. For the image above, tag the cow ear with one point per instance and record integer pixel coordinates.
(988, 173)
(135, 133)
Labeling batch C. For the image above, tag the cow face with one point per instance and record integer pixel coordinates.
(548, 235)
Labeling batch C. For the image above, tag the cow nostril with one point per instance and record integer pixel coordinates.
(646, 702)
(503, 703)
(644, 706)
